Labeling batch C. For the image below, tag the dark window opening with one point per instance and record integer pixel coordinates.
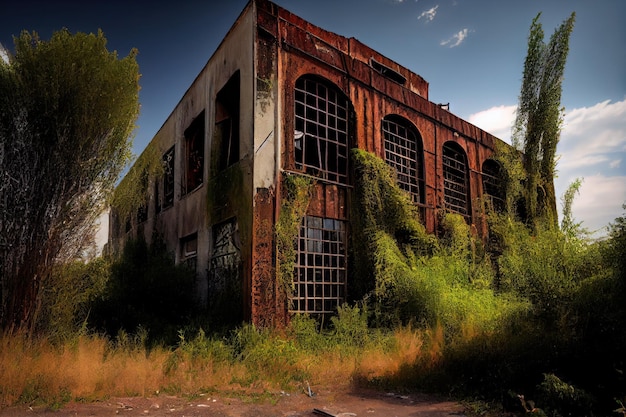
(168, 178)
(225, 282)
(403, 152)
(387, 72)
(321, 131)
(320, 271)
(227, 123)
(194, 154)
(142, 210)
(493, 185)
(157, 198)
(142, 214)
(455, 179)
(189, 250)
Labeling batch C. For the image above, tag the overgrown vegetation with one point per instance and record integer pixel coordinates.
(67, 110)
(295, 201)
(532, 317)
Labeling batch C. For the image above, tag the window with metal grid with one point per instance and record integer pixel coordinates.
(320, 271)
(493, 186)
(403, 152)
(455, 182)
(321, 131)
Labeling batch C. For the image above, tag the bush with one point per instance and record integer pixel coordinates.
(146, 290)
(67, 298)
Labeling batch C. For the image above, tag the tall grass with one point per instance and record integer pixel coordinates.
(249, 360)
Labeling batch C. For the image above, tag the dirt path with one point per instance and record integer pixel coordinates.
(339, 404)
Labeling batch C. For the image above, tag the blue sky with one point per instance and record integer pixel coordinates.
(470, 51)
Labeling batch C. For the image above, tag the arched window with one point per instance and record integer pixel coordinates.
(493, 186)
(321, 131)
(455, 179)
(404, 152)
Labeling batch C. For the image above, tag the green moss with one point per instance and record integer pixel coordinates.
(134, 191)
(295, 201)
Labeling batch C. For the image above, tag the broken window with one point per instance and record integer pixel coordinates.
(320, 271)
(226, 135)
(225, 284)
(403, 152)
(387, 72)
(493, 185)
(194, 154)
(321, 131)
(168, 178)
(189, 250)
(455, 179)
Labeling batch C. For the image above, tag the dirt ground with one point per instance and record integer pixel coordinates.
(338, 404)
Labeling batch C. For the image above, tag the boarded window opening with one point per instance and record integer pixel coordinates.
(493, 185)
(321, 131)
(320, 272)
(227, 123)
(403, 152)
(455, 179)
(168, 178)
(194, 154)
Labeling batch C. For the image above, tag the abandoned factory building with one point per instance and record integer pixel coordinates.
(282, 97)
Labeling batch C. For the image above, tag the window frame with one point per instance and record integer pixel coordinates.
(456, 184)
(169, 179)
(321, 129)
(194, 139)
(406, 160)
(321, 267)
(492, 183)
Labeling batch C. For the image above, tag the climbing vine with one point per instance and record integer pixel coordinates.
(386, 230)
(295, 201)
(134, 191)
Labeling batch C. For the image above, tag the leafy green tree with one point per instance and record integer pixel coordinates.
(67, 110)
(539, 117)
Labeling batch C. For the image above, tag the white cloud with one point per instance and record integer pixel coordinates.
(600, 201)
(593, 135)
(456, 39)
(592, 146)
(429, 14)
(496, 120)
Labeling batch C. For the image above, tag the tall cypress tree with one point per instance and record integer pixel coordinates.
(540, 116)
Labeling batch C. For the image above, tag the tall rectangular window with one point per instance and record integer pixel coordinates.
(226, 136)
(189, 250)
(320, 271)
(194, 154)
(321, 132)
(403, 152)
(168, 178)
(455, 181)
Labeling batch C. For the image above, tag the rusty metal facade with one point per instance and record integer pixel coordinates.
(306, 96)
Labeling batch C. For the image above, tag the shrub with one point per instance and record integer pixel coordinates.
(146, 289)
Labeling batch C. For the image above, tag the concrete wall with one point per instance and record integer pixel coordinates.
(197, 211)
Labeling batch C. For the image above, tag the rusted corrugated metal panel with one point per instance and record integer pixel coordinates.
(267, 300)
(295, 38)
(336, 41)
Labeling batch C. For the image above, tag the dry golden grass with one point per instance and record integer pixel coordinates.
(91, 368)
